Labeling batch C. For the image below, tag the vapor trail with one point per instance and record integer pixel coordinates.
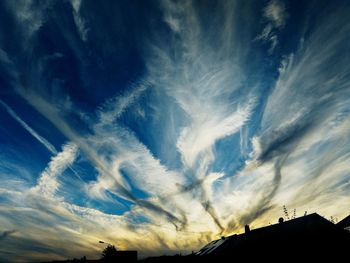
(41, 139)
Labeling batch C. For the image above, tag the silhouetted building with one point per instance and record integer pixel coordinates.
(123, 256)
(345, 223)
(307, 237)
(127, 255)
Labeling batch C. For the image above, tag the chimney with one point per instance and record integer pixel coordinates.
(246, 229)
(280, 220)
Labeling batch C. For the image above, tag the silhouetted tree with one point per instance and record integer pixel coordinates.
(109, 254)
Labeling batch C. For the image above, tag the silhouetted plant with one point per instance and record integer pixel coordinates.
(109, 253)
(294, 214)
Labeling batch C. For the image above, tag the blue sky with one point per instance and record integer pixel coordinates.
(161, 125)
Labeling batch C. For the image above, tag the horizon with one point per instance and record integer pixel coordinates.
(159, 126)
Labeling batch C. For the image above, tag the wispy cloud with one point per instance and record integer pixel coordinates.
(200, 81)
(306, 106)
(275, 14)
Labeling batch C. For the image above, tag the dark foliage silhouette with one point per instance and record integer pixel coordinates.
(109, 254)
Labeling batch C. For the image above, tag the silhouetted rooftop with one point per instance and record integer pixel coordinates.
(345, 223)
(310, 235)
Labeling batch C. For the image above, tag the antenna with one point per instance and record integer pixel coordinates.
(285, 211)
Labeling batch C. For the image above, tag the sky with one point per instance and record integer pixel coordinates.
(162, 125)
